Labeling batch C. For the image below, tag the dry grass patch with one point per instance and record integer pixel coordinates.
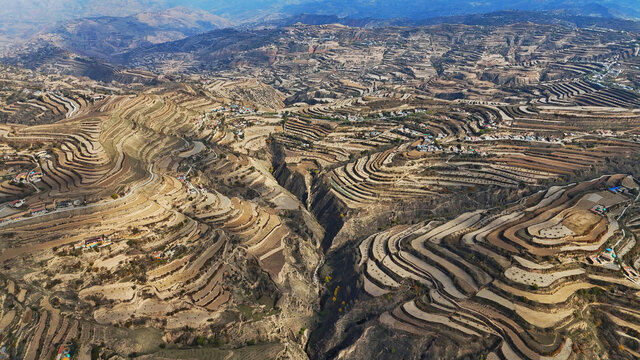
(581, 221)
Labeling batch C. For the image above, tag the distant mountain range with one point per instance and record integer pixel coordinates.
(22, 19)
(107, 36)
(120, 39)
(210, 39)
(564, 17)
(221, 48)
(382, 9)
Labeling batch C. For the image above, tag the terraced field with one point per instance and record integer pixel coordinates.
(418, 154)
(170, 254)
(469, 287)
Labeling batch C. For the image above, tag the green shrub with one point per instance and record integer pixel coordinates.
(535, 287)
(200, 340)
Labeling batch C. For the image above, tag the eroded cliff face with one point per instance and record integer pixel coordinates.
(293, 181)
(352, 324)
(354, 329)
(348, 325)
(329, 211)
(314, 193)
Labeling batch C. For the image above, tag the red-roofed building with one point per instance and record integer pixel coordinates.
(629, 271)
(38, 211)
(16, 203)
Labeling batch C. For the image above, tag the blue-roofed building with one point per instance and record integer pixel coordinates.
(617, 189)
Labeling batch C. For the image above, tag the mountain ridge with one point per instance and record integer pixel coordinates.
(102, 37)
(21, 19)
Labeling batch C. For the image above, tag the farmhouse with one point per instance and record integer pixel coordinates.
(16, 203)
(20, 178)
(34, 176)
(38, 211)
(64, 204)
(599, 209)
(608, 255)
(99, 241)
(91, 243)
(594, 259)
(629, 271)
(618, 189)
(64, 352)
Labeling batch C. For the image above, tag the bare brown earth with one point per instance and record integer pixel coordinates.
(581, 221)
